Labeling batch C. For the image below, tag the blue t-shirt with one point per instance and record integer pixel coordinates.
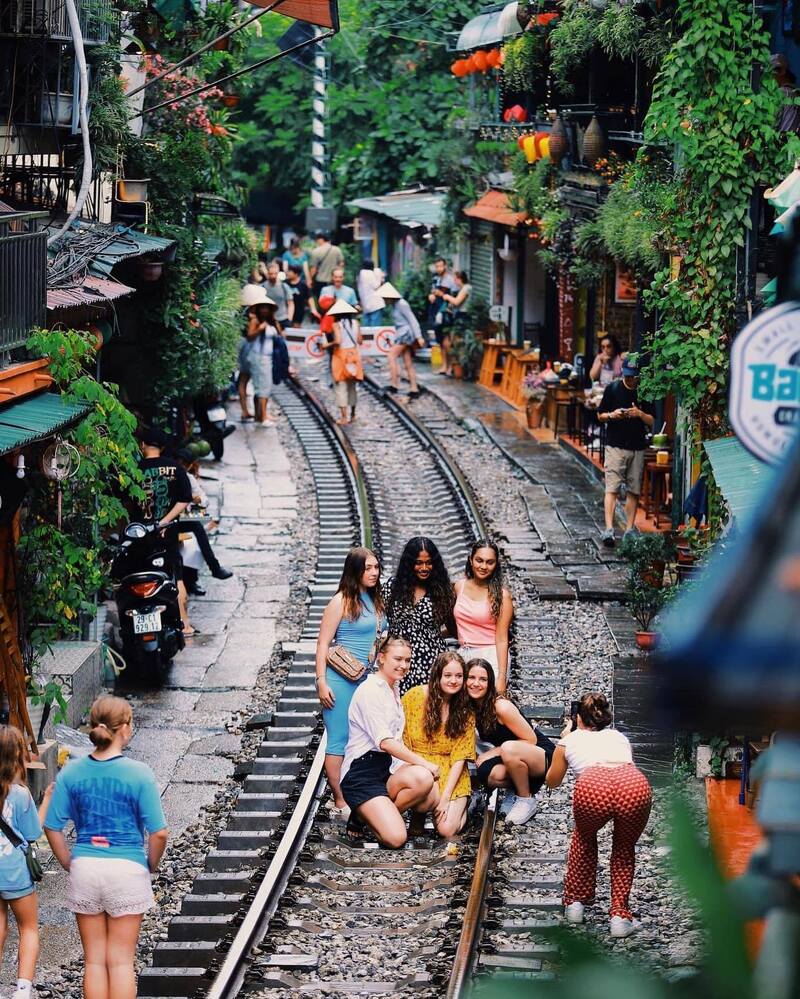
(345, 293)
(19, 812)
(111, 802)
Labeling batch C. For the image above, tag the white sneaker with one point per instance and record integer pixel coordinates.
(521, 811)
(573, 913)
(508, 802)
(621, 928)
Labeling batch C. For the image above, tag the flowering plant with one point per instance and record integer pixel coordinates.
(192, 112)
(533, 387)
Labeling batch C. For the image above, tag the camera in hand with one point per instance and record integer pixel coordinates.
(573, 713)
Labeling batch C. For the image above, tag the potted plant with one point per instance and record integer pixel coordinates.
(131, 190)
(647, 555)
(535, 393)
(231, 100)
(692, 545)
(150, 270)
(645, 602)
(467, 354)
(40, 700)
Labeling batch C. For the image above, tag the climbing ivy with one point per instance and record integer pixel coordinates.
(722, 128)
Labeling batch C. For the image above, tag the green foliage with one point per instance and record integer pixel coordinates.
(533, 186)
(108, 122)
(524, 60)
(465, 164)
(640, 550)
(51, 692)
(588, 263)
(572, 40)
(724, 132)
(468, 351)
(234, 243)
(414, 284)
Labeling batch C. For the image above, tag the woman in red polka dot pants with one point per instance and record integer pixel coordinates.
(609, 788)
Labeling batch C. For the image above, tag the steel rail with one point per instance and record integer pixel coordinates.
(255, 924)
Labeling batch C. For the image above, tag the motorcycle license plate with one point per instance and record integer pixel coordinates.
(142, 623)
(217, 414)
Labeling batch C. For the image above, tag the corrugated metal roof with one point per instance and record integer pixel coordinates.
(493, 207)
(739, 474)
(489, 28)
(114, 243)
(91, 291)
(412, 209)
(23, 423)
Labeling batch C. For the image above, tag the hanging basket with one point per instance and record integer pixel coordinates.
(594, 142)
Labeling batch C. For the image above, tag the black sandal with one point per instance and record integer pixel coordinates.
(356, 830)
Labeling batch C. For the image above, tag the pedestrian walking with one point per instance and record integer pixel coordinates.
(322, 260)
(628, 420)
(519, 755)
(296, 256)
(252, 296)
(114, 803)
(301, 292)
(369, 279)
(483, 610)
(609, 788)
(20, 825)
(281, 294)
(346, 368)
(262, 329)
(439, 318)
(440, 727)
(381, 777)
(419, 606)
(407, 338)
(350, 625)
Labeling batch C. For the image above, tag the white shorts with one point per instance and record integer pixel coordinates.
(116, 887)
(487, 652)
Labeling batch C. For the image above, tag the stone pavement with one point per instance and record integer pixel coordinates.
(185, 730)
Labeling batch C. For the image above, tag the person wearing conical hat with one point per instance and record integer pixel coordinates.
(252, 296)
(346, 367)
(262, 328)
(407, 338)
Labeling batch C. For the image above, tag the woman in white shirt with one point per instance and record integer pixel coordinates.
(609, 787)
(369, 279)
(382, 778)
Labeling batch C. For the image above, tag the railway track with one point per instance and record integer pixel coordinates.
(286, 902)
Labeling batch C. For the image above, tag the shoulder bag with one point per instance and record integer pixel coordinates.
(344, 663)
(31, 854)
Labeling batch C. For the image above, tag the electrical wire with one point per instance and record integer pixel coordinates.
(86, 178)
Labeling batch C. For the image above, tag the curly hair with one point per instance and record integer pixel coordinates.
(495, 580)
(460, 716)
(486, 709)
(350, 583)
(438, 585)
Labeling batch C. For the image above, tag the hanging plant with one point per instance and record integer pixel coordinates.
(524, 60)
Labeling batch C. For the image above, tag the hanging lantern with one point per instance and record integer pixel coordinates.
(544, 147)
(459, 68)
(544, 19)
(558, 142)
(520, 142)
(493, 58)
(594, 142)
(529, 148)
(518, 113)
(480, 60)
(470, 64)
(541, 138)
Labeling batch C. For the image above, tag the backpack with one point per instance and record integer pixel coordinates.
(280, 360)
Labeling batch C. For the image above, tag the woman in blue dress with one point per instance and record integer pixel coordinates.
(352, 619)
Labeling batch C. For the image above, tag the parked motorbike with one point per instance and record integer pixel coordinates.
(146, 594)
(213, 422)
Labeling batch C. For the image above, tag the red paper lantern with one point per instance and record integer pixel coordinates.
(507, 114)
(517, 113)
(544, 19)
(459, 68)
(480, 60)
(493, 58)
(470, 64)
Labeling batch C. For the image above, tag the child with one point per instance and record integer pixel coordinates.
(16, 885)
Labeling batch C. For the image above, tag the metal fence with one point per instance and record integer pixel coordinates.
(48, 18)
(23, 278)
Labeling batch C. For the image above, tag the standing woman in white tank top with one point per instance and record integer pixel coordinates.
(483, 610)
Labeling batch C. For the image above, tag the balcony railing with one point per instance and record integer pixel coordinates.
(23, 278)
(48, 19)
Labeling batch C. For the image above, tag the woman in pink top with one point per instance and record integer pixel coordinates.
(483, 610)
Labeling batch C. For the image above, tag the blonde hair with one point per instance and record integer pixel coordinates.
(107, 716)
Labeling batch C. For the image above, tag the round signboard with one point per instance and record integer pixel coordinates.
(765, 382)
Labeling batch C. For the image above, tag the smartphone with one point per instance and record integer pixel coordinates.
(573, 713)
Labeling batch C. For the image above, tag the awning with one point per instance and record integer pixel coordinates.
(489, 28)
(324, 13)
(494, 207)
(104, 245)
(91, 291)
(24, 423)
(413, 209)
(739, 475)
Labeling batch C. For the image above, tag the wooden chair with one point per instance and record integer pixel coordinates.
(491, 365)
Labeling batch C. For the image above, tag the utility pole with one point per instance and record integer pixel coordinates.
(320, 167)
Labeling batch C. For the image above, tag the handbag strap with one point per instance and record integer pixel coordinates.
(14, 838)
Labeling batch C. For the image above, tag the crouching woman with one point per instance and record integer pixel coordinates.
(381, 777)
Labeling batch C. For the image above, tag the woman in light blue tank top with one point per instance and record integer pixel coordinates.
(352, 619)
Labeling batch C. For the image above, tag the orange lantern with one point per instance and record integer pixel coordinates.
(459, 68)
(481, 61)
(520, 142)
(529, 148)
(540, 137)
(470, 64)
(493, 58)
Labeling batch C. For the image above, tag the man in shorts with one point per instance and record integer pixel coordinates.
(628, 421)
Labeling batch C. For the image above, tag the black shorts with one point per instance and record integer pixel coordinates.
(443, 331)
(535, 783)
(366, 779)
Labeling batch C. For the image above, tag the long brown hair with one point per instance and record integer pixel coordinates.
(12, 759)
(460, 716)
(107, 716)
(485, 709)
(350, 583)
(495, 580)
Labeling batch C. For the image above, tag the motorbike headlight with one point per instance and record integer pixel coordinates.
(135, 531)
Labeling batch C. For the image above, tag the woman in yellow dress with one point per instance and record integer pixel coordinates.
(440, 726)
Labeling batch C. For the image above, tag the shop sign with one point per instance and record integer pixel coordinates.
(765, 382)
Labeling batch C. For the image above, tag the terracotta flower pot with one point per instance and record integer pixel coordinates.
(221, 44)
(534, 412)
(458, 371)
(231, 100)
(647, 640)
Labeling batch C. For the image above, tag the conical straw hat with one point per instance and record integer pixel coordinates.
(388, 290)
(341, 308)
